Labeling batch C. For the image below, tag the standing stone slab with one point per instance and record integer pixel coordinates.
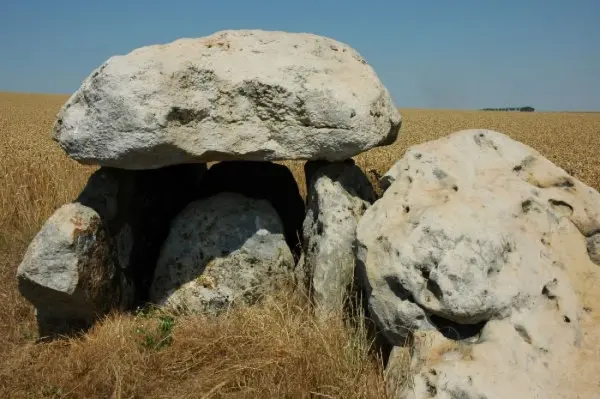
(338, 195)
(237, 94)
(221, 250)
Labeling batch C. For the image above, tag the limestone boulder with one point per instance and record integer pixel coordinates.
(338, 195)
(487, 248)
(233, 95)
(70, 271)
(222, 250)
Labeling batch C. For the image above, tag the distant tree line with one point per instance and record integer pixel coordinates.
(521, 109)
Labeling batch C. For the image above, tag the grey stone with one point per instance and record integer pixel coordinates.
(593, 246)
(338, 195)
(233, 95)
(70, 271)
(223, 250)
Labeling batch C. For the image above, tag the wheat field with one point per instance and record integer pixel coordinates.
(272, 350)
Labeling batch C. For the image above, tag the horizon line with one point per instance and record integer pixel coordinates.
(480, 109)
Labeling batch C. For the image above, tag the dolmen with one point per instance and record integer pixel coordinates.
(478, 259)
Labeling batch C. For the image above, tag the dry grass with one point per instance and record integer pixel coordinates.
(270, 351)
(267, 351)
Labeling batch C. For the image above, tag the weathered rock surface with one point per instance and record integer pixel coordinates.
(593, 247)
(221, 250)
(261, 180)
(483, 245)
(338, 195)
(245, 95)
(70, 271)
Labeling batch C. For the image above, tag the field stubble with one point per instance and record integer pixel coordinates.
(273, 350)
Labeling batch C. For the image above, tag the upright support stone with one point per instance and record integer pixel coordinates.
(338, 195)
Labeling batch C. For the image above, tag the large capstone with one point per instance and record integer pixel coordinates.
(234, 95)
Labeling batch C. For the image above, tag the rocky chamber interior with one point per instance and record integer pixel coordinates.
(138, 207)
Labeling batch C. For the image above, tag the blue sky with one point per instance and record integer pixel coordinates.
(433, 54)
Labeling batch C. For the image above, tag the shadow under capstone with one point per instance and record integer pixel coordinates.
(137, 206)
(262, 180)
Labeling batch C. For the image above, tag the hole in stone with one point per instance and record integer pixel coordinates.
(565, 182)
(522, 331)
(455, 187)
(319, 227)
(406, 209)
(526, 205)
(549, 288)
(424, 271)
(435, 289)
(566, 319)
(431, 389)
(456, 331)
(439, 174)
(561, 206)
(593, 246)
(398, 289)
